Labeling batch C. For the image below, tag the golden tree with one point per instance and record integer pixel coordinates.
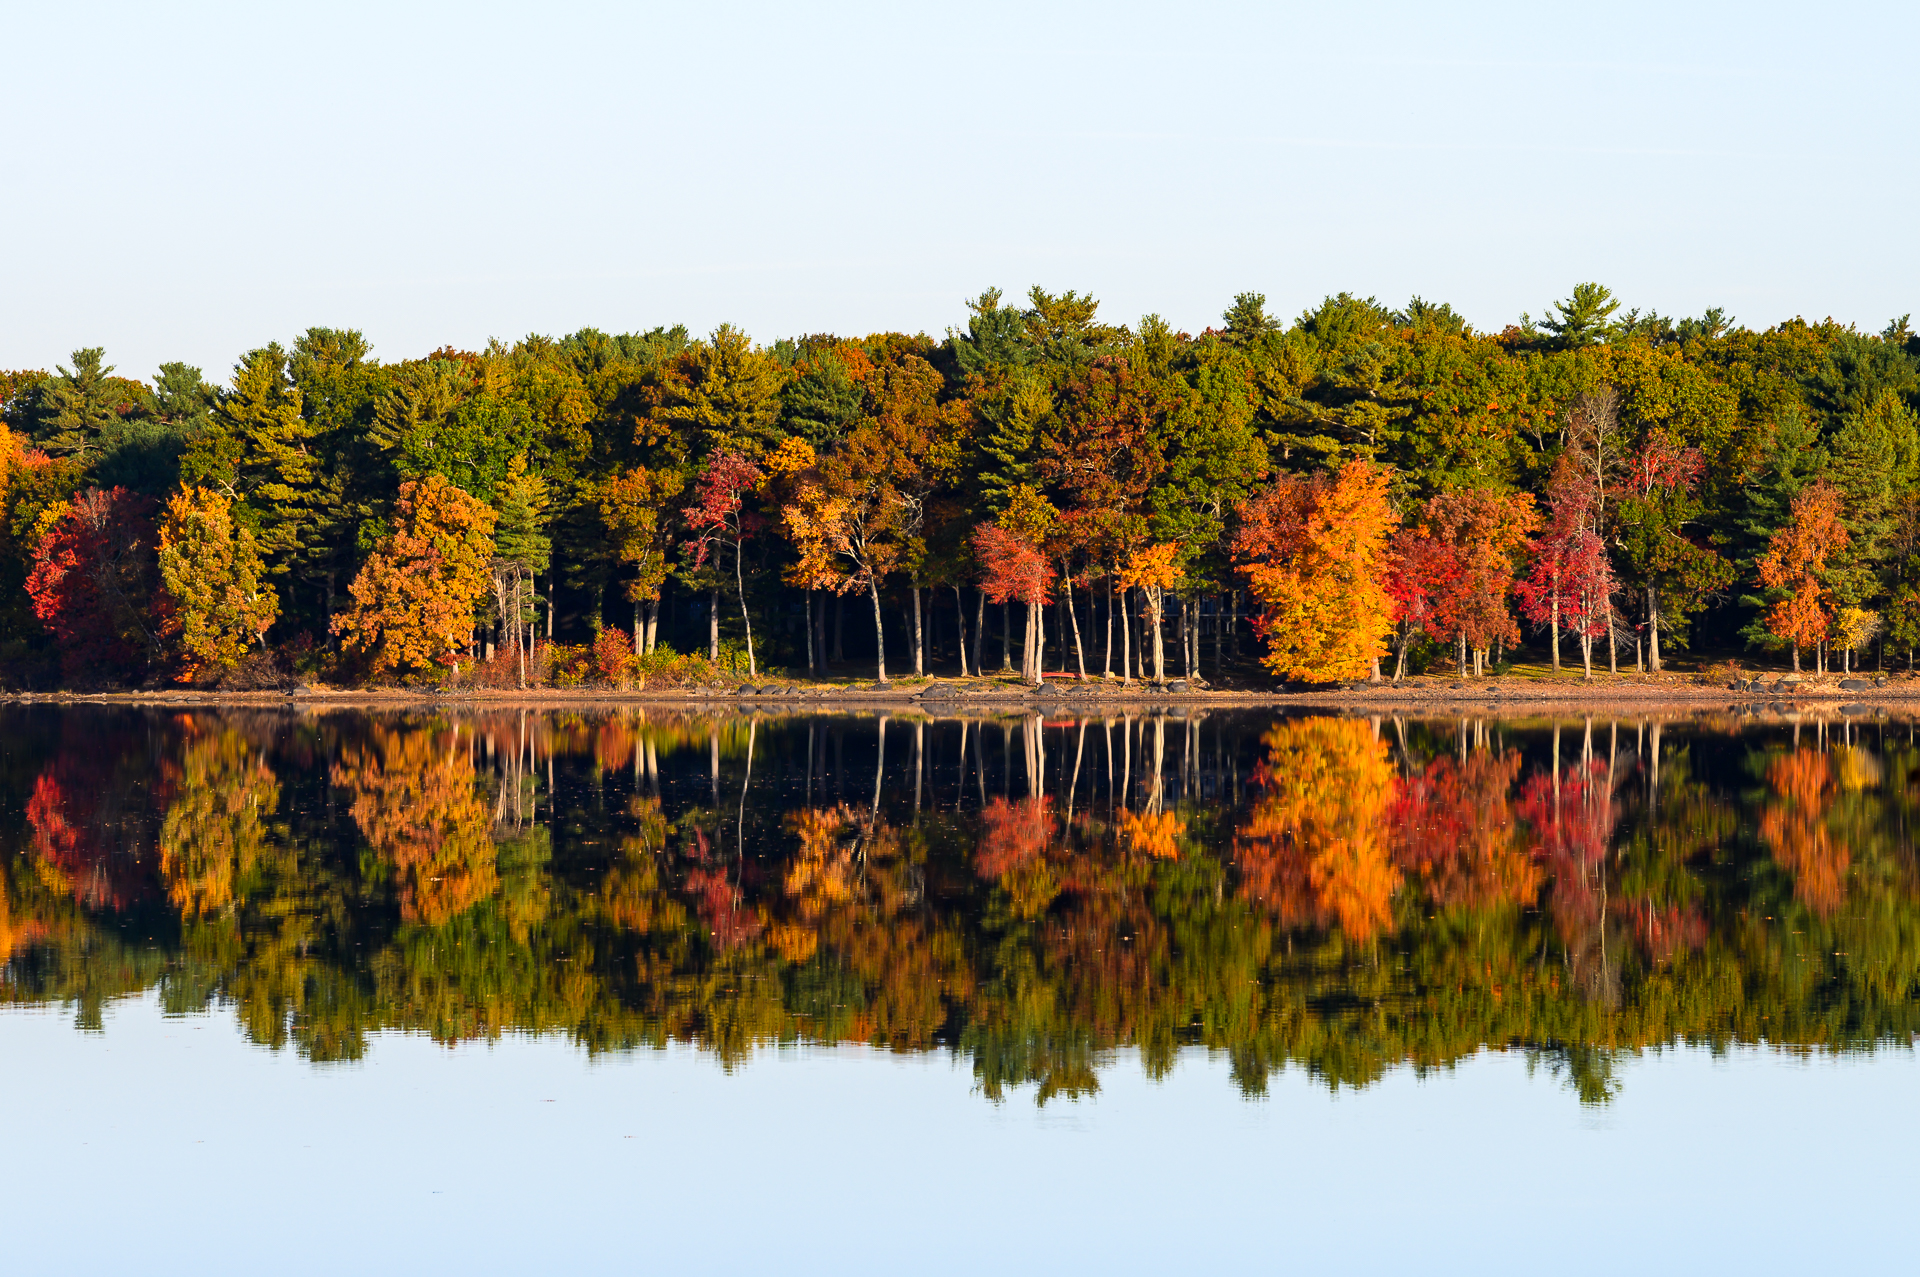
(1314, 552)
(220, 602)
(414, 600)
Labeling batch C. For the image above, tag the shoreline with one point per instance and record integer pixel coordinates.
(1681, 692)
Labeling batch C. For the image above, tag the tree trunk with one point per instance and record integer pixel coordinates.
(960, 626)
(1554, 585)
(1219, 637)
(879, 634)
(1233, 626)
(980, 633)
(919, 636)
(653, 623)
(1463, 653)
(1653, 630)
(713, 626)
(813, 666)
(1107, 671)
(1796, 658)
(639, 629)
(740, 585)
(1006, 638)
(1586, 654)
(1156, 600)
(1079, 654)
(1126, 642)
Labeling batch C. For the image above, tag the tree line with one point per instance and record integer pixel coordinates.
(1360, 488)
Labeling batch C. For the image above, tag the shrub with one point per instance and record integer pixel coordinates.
(613, 657)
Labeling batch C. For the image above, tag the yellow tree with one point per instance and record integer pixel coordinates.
(220, 605)
(414, 600)
(1791, 567)
(1314, 552)
(1153, 571)
(631, 505)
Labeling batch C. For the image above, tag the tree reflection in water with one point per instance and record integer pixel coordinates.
(1342, 894)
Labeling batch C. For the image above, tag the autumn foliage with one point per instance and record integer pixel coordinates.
(1314, 550)
(414, 600)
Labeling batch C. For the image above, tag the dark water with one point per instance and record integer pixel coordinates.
(1108, 989)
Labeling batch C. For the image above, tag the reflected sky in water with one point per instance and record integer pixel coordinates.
(1182, 980)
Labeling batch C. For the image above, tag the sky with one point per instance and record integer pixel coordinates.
(189, 181)
(167, 1144)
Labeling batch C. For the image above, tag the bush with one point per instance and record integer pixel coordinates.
(613, 657)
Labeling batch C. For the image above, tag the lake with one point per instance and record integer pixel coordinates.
(637, 986)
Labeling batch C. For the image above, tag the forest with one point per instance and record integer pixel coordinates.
(1363, 492)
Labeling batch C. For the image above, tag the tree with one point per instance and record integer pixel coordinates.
(414, 598)
(632, 506)
(220, 604)
(1314, 552)
(719, 519)
(1791, 568)
(1153, 570)
(1676, 573)
(1486, 533)
(1012, 567)
(521, 551)
(1584, 318)
(722, 395)
(79, 406)
(92, 582)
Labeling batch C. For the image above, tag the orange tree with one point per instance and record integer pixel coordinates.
(1314, 552)
(1790, 569)
(414, 599)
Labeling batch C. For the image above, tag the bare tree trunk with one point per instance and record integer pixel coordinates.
(1006, 637)
(713, 626)
(1219, 636)
(960, 627)
(1157, 602)
(919, 636)
(1796, 658)
(1079, 654)
(740, 586)
(1554, 585)
(1126, 642)
(813, 665)
(980, 633)
(1653, 629)
(549, 605)
(879, 634)
(1107, 672)
(653, 623)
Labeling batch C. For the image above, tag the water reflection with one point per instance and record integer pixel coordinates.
(1339, 894)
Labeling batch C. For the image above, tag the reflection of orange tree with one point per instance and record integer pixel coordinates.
(852, 892)
(220, 795)
(415, 801)
(1794, 827)
(1315, 846)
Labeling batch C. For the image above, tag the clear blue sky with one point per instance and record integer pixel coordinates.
(187, 181)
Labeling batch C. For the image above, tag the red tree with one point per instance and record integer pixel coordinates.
(720, 519)
(93, 582)
(1012, 567)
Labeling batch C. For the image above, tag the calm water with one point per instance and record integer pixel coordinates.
(515, 991)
